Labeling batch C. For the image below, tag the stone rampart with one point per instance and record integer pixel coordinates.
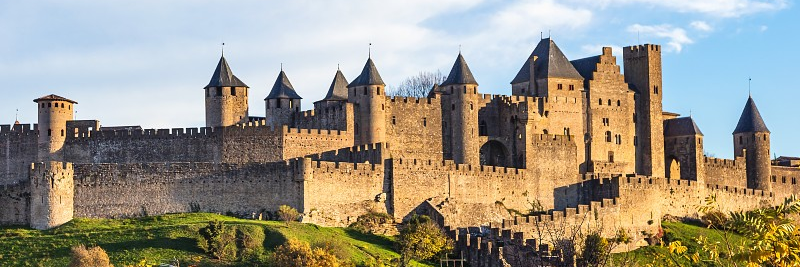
(372, 153)
(414, 127)
(15, 199)
(785, 181)
(137, 189)
(18, 149)
(332, 116)
(339, 192)
(303, 142)
(726, 171)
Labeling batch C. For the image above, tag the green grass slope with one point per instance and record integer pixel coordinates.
(157, 239)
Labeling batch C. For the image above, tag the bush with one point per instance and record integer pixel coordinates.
(421, 239)
(368, 223)
(287, 214)
(300, 254)
(595, 250)
(89, 257)
(715, 219)
(218, 240)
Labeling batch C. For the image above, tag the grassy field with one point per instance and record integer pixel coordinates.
(676, 231)
(158, 239)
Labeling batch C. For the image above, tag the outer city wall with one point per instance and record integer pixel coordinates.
(18, 149)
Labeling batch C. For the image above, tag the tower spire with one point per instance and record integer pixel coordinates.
(223, 49)
(369, 50)
(749, 81)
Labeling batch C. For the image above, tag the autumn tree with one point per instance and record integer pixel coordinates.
(418, 85)
(421, 239)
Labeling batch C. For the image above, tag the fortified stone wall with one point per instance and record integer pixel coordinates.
(551, 160)
(150, 145)
(414, 127)
(303, 142)
(372, 153)
(327, 115)
(16, 200)
(726, 172)
(129, 190)
(785, 181)
(337, 193)
(251, 142)
(18, 149)
(52, 190)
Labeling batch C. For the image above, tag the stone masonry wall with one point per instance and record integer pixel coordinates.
(337, 193)
(129, 190)
(414, 127)
(18, 149)
(15, 208)
(726, 172)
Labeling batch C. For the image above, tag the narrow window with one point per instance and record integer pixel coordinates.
(600, 101)
(608, 136)
(219, 91)
(610, 156)
(49, 105)
(560, 86)
(62, 132)
(470, 106)
(394, 120)
(618, 103)
(544, 131)
(773, 179)
(49, 132)
(277, 103)
(69, 107)
(233, 91)
(424, 122)
(453, 107)
(291, 104)
(62, 105)
(609, 102)
(572, 87)
(783, 179)
(268, 103)
(655, 89)
(794, 181)
(483, 129)
(365, 91)
(740, 139)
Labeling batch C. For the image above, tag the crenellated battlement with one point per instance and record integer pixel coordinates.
(738, 190)
(491, 248)
(644, 47)
(552, 139)
(18, 129)
(106, 174)
(725, 163)
(568, 214)
(398, 100)
(307, 132)
(449, 165)
(372, 153)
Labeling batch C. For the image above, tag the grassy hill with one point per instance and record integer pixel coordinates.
(158, 239)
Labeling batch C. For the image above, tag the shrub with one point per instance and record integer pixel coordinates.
(333, 246)
(368, 223)
(715, 219)
(300, 254)
(218, 240)
(595, 249)
(421, 239)
(89, 257)
(287, 213)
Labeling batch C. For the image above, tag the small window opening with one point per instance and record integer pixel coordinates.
(233, 91)
(49, 132)
(572, 87)
(619, 103)
(600, 101)
(49, 105)
(483, 130)
(424, 122)
(219, 91)
(655, 89)
(277, 103)
(608, 136)
(609, 102)
(560, 86)
(394, 120)
(62, 132)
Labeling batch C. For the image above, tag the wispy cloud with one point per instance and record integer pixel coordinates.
(715, 8)
(701, 26)
(676, 37)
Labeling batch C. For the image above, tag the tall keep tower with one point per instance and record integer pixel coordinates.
(226, 97)
(643, 74)
(282, 102)
(751, 140)
(54, 112)
(368, 93)
(462, 93)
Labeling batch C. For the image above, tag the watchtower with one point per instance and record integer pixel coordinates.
(54, 112)
(462, 92)
(683, 144)
(226, 97)
(282, 102)
(751, 140)
(368, 94)
(642, 65)
(52, 194)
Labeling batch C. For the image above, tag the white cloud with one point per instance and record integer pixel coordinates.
(597, 49)
(763, 28)
(715, 8)
(676, 37)
(701, 26)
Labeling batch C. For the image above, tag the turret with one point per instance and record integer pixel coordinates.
(642, 65)
(368, 92)
(337, 92)
(683, 145)
(751, 140)
(226, 97)
(462, 95)
(54, 112)
(52, 194)
(282, 102)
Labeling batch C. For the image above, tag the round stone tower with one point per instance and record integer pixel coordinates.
(226, 97)
(462, 90)
(751, 140)
(367, 91)
(54, 112)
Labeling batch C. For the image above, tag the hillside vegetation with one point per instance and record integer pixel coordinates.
(162, 239)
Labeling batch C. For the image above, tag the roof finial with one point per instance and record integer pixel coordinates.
(16, 116)
(223, 49)
(541, 35)
(749, 80)
(369, 50)
(459, 49)
(281, 66)
(548, 34)
(337, 66)
(690, 113)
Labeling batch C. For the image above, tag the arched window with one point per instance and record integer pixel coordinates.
(618, 103)
(600, 101)
(609, 102)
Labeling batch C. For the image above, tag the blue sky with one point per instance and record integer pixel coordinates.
(145, 62)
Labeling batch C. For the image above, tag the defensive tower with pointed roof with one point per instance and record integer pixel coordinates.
(368, 93)
(461, 101)
(282, 102)
(683, 145)
(751, 140)
(337, 92)
(226, 97)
